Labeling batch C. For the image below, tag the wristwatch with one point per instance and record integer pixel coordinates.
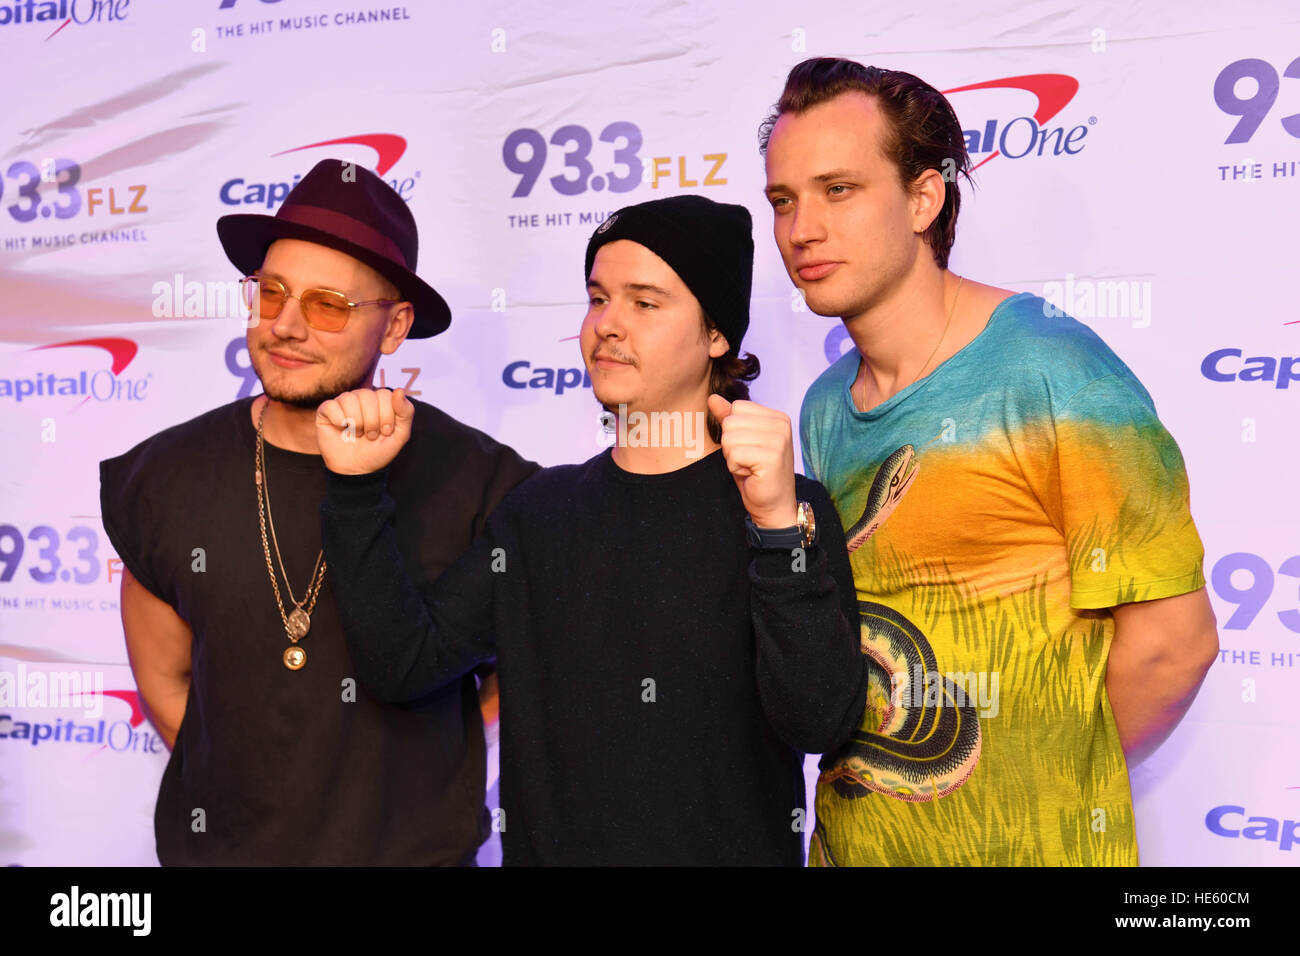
(799, 535)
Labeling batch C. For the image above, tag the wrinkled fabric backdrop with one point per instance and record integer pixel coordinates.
(1140, 168)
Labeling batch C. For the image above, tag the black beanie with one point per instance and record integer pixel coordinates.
(709, 245)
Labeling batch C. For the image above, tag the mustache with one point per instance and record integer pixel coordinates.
(267, 347)
(612, 353)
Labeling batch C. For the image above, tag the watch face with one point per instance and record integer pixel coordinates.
(807, 523)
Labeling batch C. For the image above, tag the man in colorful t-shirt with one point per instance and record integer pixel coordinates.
(1029, 578)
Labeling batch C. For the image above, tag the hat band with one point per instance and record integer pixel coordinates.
(344, 227)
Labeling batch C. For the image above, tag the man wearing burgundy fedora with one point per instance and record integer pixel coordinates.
(228, 604)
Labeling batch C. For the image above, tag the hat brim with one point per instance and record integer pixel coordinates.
(245, 238)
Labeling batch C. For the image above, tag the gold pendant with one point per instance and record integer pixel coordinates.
(294, 657)
(299, 624)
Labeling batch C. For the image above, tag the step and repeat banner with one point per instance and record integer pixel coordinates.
(1140, 169)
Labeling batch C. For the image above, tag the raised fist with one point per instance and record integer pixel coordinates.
(759, 448)
(363, 430)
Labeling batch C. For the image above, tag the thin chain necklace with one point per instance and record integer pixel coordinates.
(297, 622)
(951, 312)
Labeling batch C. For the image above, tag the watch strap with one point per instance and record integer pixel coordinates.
(799, 535)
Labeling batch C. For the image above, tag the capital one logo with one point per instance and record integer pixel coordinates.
(103, 385)
(81, 12)
(523, 374)
(388, 148)
(1027, 135)
(119, 736)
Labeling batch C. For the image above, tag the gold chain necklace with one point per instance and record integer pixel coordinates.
(298, 622)
(951, 312)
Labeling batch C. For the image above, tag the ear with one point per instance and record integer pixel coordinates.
(718, 346)
(927, 196)
(398, 327)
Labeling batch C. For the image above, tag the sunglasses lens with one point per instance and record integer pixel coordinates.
(327, 311)
(269, 293)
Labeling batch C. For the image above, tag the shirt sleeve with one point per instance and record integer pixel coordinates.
(406, 640)
(1122, 499)
(812, 678)
(509, 470)
(126, 512)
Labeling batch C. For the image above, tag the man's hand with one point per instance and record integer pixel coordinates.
(757, 444)
(362, 431)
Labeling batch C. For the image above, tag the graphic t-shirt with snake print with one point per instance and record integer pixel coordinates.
(995, 510)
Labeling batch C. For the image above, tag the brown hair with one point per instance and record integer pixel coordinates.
(923, 132)
(729, 376)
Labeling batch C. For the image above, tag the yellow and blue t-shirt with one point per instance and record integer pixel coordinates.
(995, 510)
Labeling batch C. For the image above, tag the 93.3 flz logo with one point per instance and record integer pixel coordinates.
(1250, 89)
(525, 150)
(50, 188)
(586, 161)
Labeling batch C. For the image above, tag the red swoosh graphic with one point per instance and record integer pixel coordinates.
(132, 698)
(122, 350)
(389, 146)
(61, 26)
(1052, 90)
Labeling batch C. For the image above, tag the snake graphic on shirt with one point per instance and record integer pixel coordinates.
(917, 741)
(894, 476)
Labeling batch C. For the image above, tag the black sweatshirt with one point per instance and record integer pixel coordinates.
(659, 678)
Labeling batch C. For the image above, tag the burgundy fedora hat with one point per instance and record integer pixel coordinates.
(348, 208)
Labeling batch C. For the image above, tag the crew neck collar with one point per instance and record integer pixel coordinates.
(706, 464)
(884, 408)
(282, 457)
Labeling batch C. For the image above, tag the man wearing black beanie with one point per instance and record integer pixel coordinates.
(669, 619)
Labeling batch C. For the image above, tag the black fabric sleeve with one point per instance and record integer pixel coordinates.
(126, 512)
(510, 470)
(405, 641)
(812, 678)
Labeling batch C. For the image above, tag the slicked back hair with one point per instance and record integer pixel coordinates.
(923, 132)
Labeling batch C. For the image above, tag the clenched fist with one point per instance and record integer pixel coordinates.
(759, 449)
(363, 430)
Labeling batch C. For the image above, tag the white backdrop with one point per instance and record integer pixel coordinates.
(1141, 168)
